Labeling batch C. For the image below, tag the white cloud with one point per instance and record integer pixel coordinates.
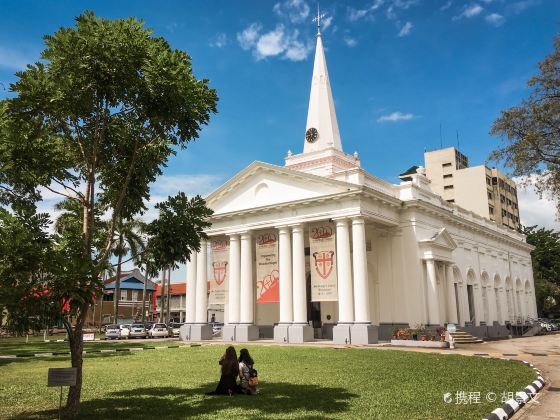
(351, 42)
(249, 36)
(396, 116)
(495, 19)
(534, 210)
(326, 22)
(357, 14)
(13, 59)
(446, 6)
(220, 40)
(470, 11)
(280, 42)
(405, 30)
(296, 11)
(271, 43)
(521, 6)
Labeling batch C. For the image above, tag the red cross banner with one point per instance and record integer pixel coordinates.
(268, 277)
(220, 271)
(322, 261)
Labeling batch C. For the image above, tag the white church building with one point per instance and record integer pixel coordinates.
(321, 249)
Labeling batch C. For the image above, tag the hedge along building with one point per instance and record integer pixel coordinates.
(321, 248)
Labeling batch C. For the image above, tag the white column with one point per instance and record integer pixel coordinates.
(285, 267)
(492, 310)
(359, 259)
(246, 290)
(234, 277)
(201, 316)
(298, 271)
(191, 289)
(433, 301)
(344, 271)
(451, 299)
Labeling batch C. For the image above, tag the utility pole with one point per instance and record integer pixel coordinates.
(168, 295)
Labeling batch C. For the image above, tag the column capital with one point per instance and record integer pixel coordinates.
(233, 235)
(298, 227)
(283, 229)
(358, 220)
(246, 234)
(341, 221)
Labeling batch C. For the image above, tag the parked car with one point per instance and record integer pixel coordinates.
(149, 325)
(158, 330)
(138, 331)
(174, 328)
(113, 332)
(125, 330)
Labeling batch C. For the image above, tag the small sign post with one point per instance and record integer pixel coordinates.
(61, 377)
(89, 337)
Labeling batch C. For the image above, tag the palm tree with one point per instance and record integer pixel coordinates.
(128, 240)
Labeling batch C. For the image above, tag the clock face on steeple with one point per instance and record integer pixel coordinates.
(311, 135)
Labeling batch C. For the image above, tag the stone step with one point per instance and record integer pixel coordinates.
(463, 337)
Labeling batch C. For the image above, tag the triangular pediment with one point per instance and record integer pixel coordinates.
(262, 185)
(442, 239)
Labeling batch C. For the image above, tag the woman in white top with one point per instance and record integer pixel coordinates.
(247, 374)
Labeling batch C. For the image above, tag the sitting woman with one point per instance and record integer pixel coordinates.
(247, 374)
(230, 370)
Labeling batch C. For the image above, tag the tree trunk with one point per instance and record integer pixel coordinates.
(162, 298)
(76, 342)
(117, 296)
(144, 296)
(168, 295)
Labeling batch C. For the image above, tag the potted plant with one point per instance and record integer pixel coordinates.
(441, 333)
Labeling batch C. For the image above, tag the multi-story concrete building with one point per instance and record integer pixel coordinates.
(484, 191)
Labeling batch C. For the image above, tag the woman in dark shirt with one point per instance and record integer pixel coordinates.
(230, 371)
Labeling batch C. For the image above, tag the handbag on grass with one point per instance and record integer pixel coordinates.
(253, 377)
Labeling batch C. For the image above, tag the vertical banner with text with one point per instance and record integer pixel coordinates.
(267, 267)
(323, 262)
(220, 271)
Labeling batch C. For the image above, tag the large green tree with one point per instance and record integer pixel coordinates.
(546, 267)
(94, 122)
(531, 130)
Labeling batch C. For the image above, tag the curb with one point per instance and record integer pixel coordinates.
(67, 353)
(512, 406)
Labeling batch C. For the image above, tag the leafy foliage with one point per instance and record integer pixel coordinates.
(94, 122)
(546, 267)
(531, 130)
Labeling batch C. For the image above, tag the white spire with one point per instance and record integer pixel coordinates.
(321, 131)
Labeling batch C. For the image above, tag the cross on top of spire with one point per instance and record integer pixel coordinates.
(318, 20)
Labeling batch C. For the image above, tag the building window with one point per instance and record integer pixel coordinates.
(446, 165)
(491, 210)
(488, 180)
(108, 297)
(494, 181)
(448, 176)
(450, 201)
(490, 196)
(123, 294)
(135, 295)
(448, 187)
(502, 198)
(504, 213)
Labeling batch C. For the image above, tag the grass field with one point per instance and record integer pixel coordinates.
(296, 382)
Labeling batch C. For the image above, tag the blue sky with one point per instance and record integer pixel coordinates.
(398, 69)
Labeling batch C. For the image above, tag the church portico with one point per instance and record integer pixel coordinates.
(321, 249)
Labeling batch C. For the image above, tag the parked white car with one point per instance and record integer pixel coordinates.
(138, 331)
(125, 331)
(158, 330)
(112, 332)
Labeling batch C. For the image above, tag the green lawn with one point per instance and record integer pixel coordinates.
(296, 382)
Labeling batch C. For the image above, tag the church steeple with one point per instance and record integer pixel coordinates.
(321, 131)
